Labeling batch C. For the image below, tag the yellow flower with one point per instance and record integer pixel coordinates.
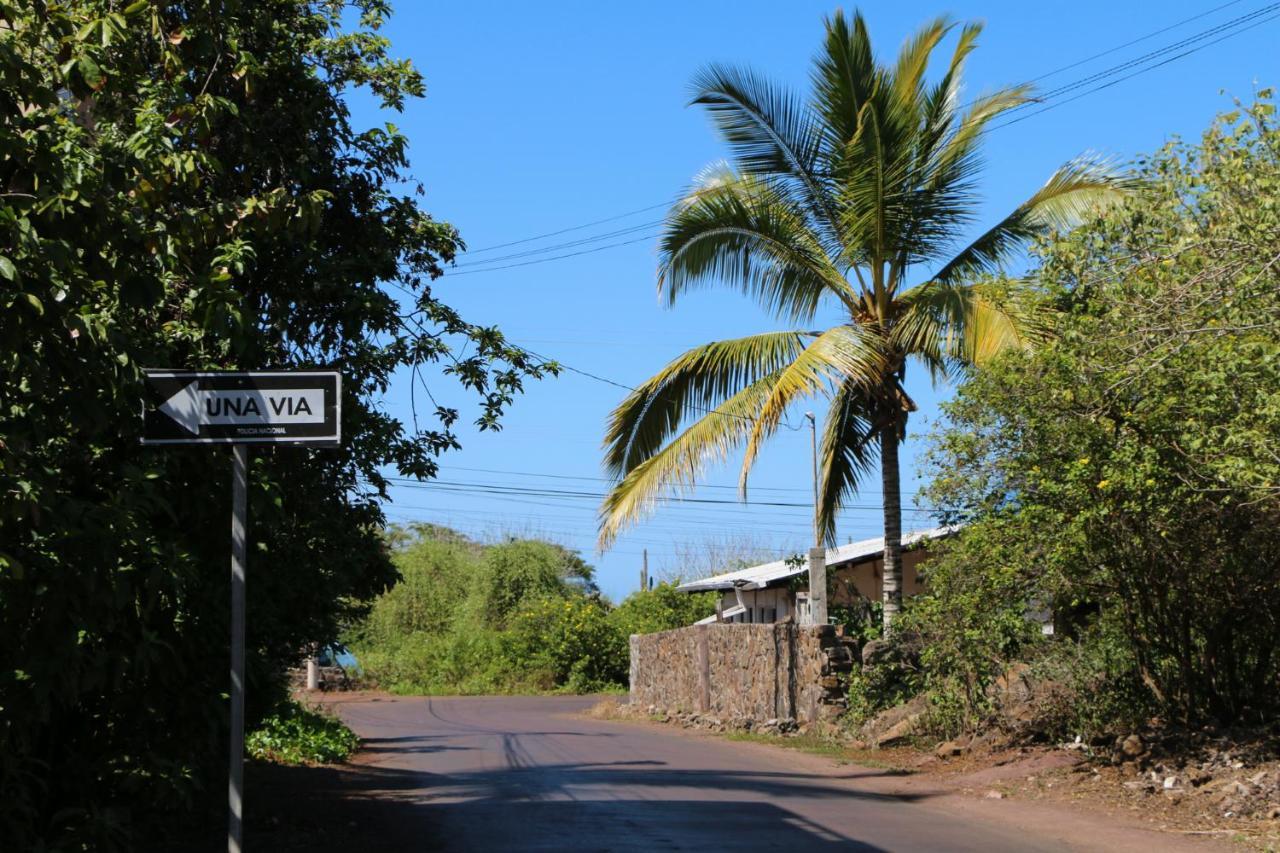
(1102, 484)
(1084, 460)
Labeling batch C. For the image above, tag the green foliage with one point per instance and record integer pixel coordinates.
(571, 642)
(876, 688)
(661, 609)
(972, 621)
(1125, 474)
(462, 619)
(299, 735)
(1089, 686)
(519, 616)
(520, 570)
(435, 579)
(466, 659)
(183, 187)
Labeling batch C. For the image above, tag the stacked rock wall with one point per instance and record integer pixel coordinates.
(735, 671)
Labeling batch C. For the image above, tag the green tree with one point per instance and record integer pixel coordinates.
(524, 570)
(1127, 472)
(181, 185)
(853, 200)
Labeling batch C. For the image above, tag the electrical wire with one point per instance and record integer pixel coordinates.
(466, 268)
(1275, 7)
(1252, 19)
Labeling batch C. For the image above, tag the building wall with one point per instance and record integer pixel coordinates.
(742, 671)
(763, 605)
(866, 578)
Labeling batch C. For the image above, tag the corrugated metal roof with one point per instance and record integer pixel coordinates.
(767, 574)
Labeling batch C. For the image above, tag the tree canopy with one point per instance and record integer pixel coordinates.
(1127, 475)
(182, 186)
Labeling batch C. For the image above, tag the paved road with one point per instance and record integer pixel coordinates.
(530, 773)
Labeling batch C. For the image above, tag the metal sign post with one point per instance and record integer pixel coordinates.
(262, 407)
(239, 518)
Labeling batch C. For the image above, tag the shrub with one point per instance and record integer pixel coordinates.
(972, 621)
(572, 641)
(462, 661)
(661, 609)
(469, 618)
(299, 735)
(434, 580)
(890, 677)
(1131, 453)
(523, 570)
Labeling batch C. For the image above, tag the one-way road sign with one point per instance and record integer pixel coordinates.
(191, 407)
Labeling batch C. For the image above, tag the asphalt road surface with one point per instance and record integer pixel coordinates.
(532, 773)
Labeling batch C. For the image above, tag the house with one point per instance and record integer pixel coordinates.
(773, 591)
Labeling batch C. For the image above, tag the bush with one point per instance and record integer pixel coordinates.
(572, 642)
(972, 621)
(524, 570)
(661, 609)
(462, 661)
(1088, 687)
(881, 686)
(468, 618)
(1122, 472)
(299, 735)
(434, 581)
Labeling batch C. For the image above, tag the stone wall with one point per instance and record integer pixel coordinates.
(743, 672)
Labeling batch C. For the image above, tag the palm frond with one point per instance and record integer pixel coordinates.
(913, 62)
(679, 464)
(848, 452)
(697, 381)
(844, 76)
(952, 326)
(943, 102)
(741, 231)
(1078, 189)
(846, 354)
(771, 131)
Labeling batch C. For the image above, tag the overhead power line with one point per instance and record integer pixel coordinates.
(620, 232)
(1273, 9)
(804, 491)
(555, 257)
(1132, 42)
(532, 491)
(1051, 99)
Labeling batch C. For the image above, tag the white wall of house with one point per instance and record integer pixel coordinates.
(762, 605)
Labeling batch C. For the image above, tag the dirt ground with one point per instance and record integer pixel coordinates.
(1222, 791)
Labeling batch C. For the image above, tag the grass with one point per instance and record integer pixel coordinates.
(815, 744)
(808, 742)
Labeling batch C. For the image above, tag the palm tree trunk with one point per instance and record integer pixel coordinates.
(892, 486)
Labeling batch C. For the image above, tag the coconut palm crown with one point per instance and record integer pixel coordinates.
(836, 202)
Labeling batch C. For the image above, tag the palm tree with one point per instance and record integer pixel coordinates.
(836, 202)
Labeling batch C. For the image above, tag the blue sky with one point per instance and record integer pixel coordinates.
(544, 116)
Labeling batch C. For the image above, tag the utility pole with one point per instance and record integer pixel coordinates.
(644, 571)
(818, 553)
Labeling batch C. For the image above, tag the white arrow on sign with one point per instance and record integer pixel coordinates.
(192, 407)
